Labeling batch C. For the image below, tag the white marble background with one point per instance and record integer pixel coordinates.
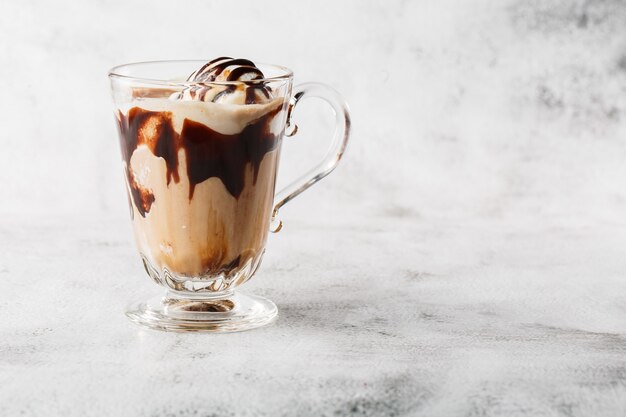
(494, 107)
(482, 200)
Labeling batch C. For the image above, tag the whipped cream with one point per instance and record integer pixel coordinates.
(227, 80)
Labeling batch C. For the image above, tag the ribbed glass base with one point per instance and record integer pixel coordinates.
(225, 312)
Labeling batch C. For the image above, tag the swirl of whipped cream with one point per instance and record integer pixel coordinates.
(240, 75)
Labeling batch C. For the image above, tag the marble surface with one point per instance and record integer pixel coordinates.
(466, 259)
(486, 104)
(402, 316)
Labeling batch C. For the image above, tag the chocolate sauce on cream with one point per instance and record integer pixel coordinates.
(212, 154)
(242, 73)
(208, 153)
(210, 71)
(142, 197)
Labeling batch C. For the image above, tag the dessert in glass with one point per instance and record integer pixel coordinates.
(200, 146)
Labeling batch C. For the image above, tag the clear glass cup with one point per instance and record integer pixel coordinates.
(200, 178)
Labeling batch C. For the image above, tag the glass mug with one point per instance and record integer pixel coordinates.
(200, 178)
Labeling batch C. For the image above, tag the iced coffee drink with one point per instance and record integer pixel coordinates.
(200, 167)
(200, 145)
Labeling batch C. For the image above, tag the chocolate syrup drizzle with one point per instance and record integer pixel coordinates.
(155, 130)
(210, 71)
(208, 153)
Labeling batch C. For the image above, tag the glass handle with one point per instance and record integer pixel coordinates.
(334, 153)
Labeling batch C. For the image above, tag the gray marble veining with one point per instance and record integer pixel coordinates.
(433, 317)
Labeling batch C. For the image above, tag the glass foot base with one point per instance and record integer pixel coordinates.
(228, 312)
